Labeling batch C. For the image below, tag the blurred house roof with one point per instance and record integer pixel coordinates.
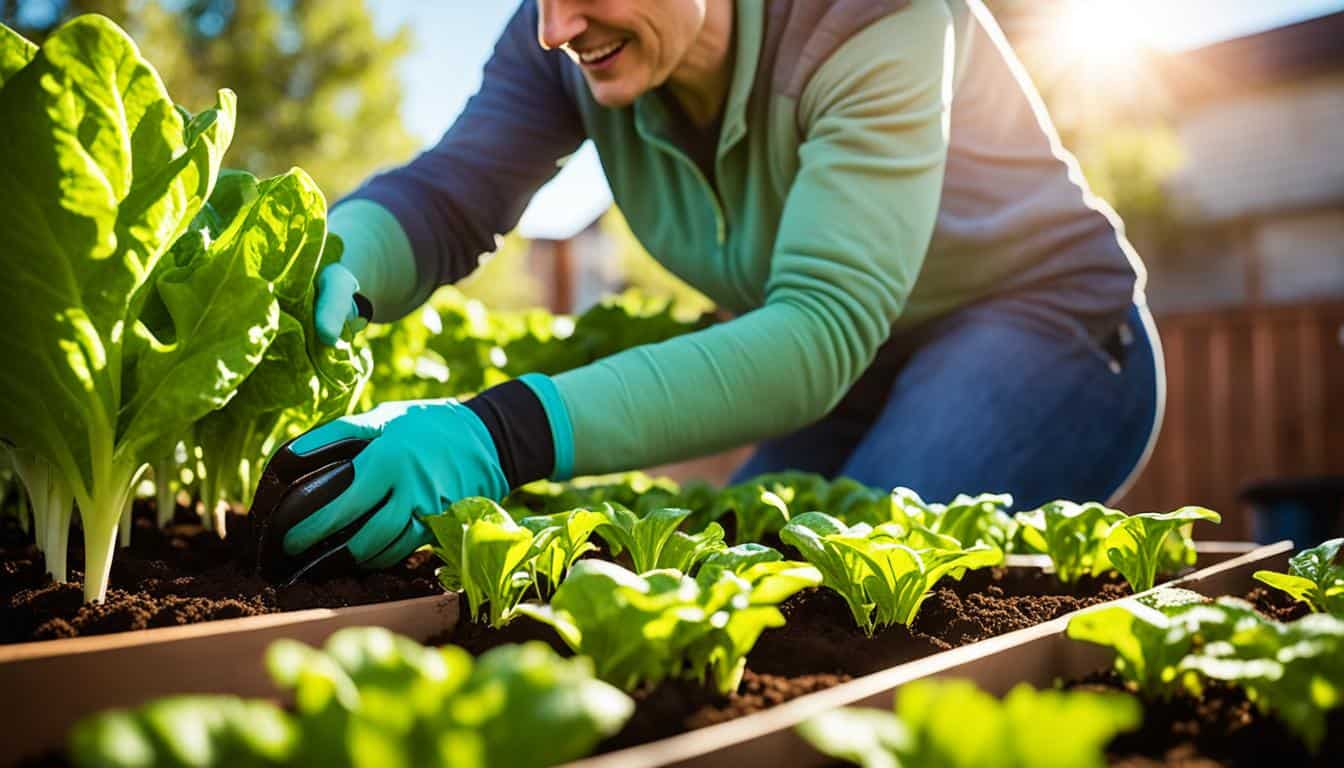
(1292, 52)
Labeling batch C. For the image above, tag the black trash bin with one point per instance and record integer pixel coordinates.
(1307, 510)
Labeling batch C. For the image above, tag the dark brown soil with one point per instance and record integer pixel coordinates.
(821, 636)
(1220, 730)
(1276, 604)
(820, 647)
(183, 575)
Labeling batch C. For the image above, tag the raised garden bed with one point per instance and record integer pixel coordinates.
(1037, 655)
(65, 679)
(172, 577)
(1221, 727)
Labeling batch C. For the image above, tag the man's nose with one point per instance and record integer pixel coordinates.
(561, 21)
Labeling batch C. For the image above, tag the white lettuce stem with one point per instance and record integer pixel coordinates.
(164, 491)
(51, 502)
(125, 527)
(56, 538)
(100, 540)
(107, 503)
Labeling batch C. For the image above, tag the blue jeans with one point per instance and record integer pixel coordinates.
(1007, 395)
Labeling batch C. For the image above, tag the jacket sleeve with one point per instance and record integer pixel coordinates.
(455, 198)
(857, 221)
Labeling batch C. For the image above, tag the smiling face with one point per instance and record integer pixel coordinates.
(625, 48)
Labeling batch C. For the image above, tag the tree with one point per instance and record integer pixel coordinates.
(317, 86)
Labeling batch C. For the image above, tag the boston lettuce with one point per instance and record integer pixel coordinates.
(1315, 576)
(369, 699)
(953, 724)
(663, 624)
(1073, 535)
(653, 540)
(883, 573)
(152, 289)
(1136, 544)
(298, 383)
(1173, 639)
(100, 174)
(484, 553)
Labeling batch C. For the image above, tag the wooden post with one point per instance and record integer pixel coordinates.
(562, 270)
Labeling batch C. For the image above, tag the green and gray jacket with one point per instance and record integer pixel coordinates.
(880, 163)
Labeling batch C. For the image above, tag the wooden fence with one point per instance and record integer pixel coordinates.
(1252, 393)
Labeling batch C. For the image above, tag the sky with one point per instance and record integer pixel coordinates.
(453, 39)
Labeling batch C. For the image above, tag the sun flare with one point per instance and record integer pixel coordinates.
(1104, 39)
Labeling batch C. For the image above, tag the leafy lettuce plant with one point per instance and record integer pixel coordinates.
(758, 509)
(1136, 544)
(102, 173)
(853, 502)
(953, 724)
(52, 506)
(968, 519)
(1072, 535)
(368, 699)
(373, 698)
(883, 573)
(484, 553)
(663, 624)
(1315, 576)
(559, 541)
(298, 382)
(654, 541)
(1175, 641)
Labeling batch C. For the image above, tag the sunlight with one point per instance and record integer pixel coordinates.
(1103, 39)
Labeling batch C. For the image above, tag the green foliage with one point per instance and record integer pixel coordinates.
(319, 82)
(757, 508)
(371, 698)
(883, 573)
(1176, 641)
(103, 175)
(981, 519)
(1315, 576)
(634, 490)
(486, 554)
(1073, 535)
(952, 724)
(1130, 167)
(662, 624)
(654, 541)
(299, 382)
(1135, 545)
(186, 732)
(560, 540)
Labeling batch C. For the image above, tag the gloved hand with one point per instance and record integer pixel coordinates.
(377, 270)
(339, 304)
(361, 485)
(422, 456)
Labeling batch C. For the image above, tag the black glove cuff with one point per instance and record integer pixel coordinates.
(517, 421)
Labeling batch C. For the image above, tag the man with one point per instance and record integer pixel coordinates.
(926, 294)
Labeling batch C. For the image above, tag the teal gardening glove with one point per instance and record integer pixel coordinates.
(357, 489)
(361, 486)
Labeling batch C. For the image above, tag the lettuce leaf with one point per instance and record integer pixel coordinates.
(1072, 535)
(952, 724)
(1315, 576)
(646, 628)
(1136, 544)
(100, 174)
